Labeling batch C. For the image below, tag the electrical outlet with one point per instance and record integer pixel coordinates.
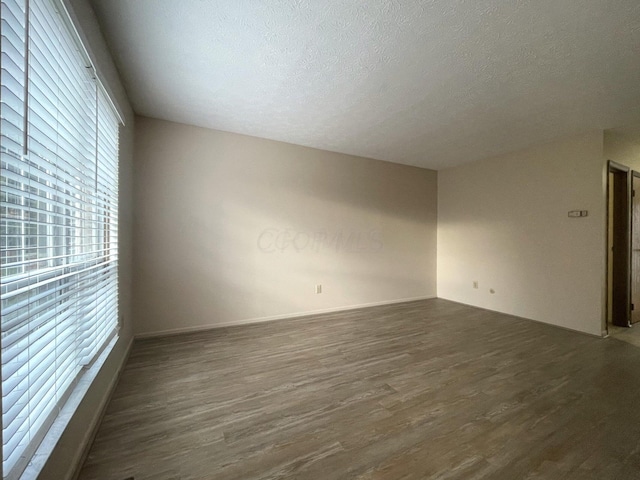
(475, 284)
(319, 288)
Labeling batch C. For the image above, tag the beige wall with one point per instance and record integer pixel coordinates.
(503, 222)
(231, 229)
(68, 452)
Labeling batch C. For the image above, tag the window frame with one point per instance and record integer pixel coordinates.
(108, 228)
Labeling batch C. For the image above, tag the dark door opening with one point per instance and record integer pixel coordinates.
(619, 245)
(635, 247)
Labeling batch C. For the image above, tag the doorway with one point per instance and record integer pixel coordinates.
(635, 247)
(619, 245)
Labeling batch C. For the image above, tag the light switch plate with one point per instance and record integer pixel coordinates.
(578, 213)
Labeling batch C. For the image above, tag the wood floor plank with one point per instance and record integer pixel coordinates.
(426, 389)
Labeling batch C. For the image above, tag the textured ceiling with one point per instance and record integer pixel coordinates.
(428, 83)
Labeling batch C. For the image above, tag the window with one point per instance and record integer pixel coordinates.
(59, 230)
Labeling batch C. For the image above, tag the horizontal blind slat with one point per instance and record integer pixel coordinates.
(59, 284)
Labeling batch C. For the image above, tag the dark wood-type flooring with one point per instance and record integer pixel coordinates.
(421, 390)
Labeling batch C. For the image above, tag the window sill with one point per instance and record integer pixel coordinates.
(49, 442)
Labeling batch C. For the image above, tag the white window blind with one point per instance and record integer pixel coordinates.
(59, 231)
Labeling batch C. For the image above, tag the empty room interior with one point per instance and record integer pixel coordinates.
(254, 239)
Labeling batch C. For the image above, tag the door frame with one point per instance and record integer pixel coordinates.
(620, 256)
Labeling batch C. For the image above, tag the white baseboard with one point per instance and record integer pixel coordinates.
(248, 321)
(575, 330)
